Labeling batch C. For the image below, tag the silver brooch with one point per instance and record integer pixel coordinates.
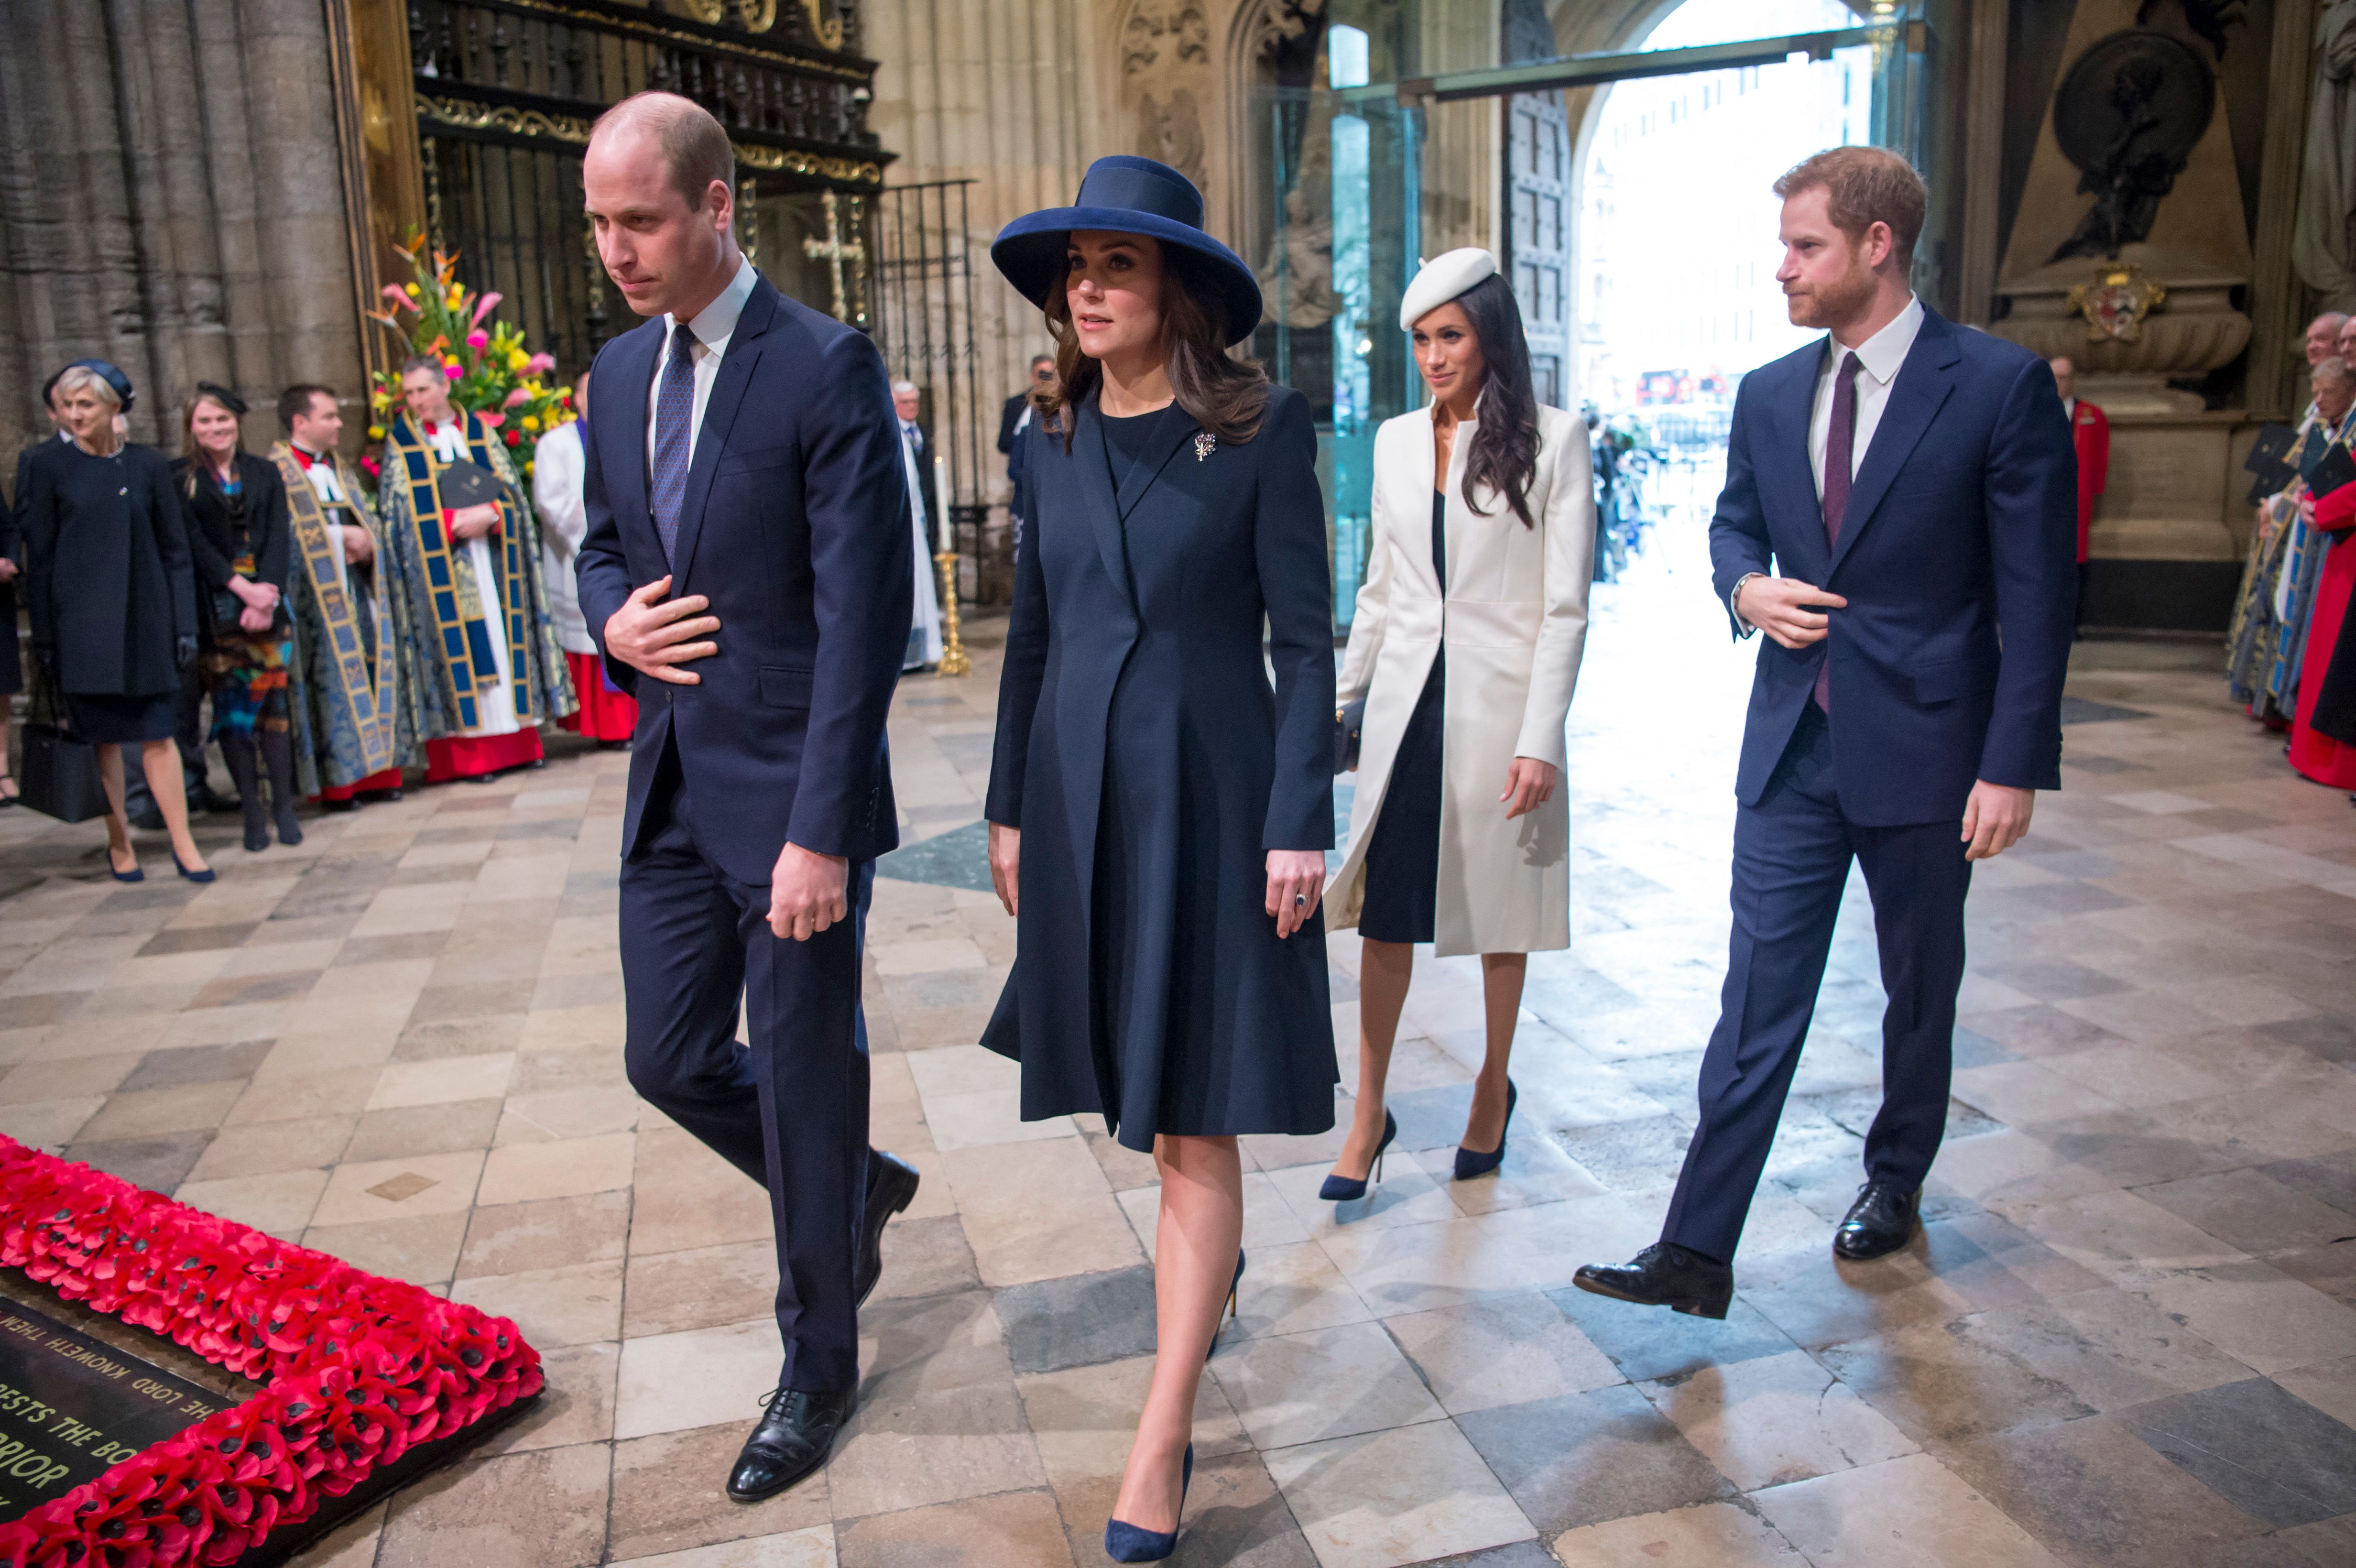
(1205, 444)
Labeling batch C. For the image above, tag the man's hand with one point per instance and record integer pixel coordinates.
(806, 892)
(7, 569)
(655, 638)
(1787, 609)
(474, 522)
(1529, 783)
(1996, 819)
(1296, 880)
(1005, 865)
(359, 547)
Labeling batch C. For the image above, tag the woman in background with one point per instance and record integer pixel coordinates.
(1466, 646)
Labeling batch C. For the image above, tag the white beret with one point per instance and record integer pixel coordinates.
(1442, 280)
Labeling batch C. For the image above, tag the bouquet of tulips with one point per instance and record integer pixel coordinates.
(490, 371)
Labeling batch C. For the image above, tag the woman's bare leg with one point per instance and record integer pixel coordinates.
(165, 780)
(119, 853)
(1384, 970)
(1201, 1229)
(1501, 998)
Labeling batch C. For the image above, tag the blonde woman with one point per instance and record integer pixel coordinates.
(1465, 646)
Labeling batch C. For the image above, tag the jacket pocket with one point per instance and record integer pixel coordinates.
(783, 687)
(754, 462)
(1950, 679)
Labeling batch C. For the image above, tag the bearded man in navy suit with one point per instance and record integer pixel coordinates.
(1900, 517)
(747, 574)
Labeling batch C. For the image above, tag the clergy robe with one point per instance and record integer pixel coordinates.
(2314, 753)
(924, 628)
(2090, 432)
(559, 466)
(491, 667)
(2276, 583)
(352, 731)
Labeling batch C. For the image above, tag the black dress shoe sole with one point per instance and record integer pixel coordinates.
(1691, 1305)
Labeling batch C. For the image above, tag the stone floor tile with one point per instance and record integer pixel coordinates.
(1582, 1458)
(154, 1112)
(525, 1173)
(1078, 1321)
(2330, 1386)
(1508, 1349)
(926, 1257)
(159, 1164)
(1235, 1516)
(987, 1532)
(2119, 1235)
(668, 1495)
(1407, 1196)
(2256, 1313)
(1085, 1418)
(670, 1383)
(1945, 1380)
(2266, 1452)
(2092, 1492)
(811, 1547)
(672, 1292)
(1327, 1383)
(580, 1112)
(2250, 1212)
(409, 1130)
(400, 1188)
(77, 1077)
(1416, 1268)
(336, 1092)
(442, 1081)
(575, 1305)
(281, 1203)
(517, 1237)
(49, 1124)
(2325, 1545)
(1407, 1494)
(540, 1510)
(1817, 1300)
(421, 1249)
(575, 1406)
(1911, 1512)
(1290, 1289)
(1710, 1535)
(1777, 1419)
(684, 1196)
(260, 1148)
(911, 1445)
(1649, 1342)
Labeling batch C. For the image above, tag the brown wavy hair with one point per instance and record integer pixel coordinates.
(1223, 394)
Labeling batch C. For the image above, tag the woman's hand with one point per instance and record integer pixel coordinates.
(1296, 880)
(254, 618)
(1005, 863)
(474, 522)
(1529, 783)
(252, 594)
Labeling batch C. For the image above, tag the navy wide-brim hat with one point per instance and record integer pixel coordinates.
(1126, 195)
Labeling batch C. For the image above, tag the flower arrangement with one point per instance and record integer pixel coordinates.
(491, 372)
(358, 1370)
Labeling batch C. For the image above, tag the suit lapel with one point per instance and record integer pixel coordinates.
(1923, 385)
(1174, 433)
(728, 387)
(634, 369)
(1093, 467)
(1793, 415)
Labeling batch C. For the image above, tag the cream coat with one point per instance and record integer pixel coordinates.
(1515, 621)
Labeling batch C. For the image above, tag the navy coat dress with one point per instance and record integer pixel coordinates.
(1150, 765)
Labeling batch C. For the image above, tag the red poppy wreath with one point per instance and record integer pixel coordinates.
(366, 1381)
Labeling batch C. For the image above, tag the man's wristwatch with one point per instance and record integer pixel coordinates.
(1734, 603)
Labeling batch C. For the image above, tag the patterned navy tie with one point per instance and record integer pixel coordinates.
(674, 418)
(1840, 446)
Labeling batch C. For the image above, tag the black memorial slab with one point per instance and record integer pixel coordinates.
(71, 1408)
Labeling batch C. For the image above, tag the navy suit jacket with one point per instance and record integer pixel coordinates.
(795, 526)
(1958, 560)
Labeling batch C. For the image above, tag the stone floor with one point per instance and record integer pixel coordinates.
(2127, 1336)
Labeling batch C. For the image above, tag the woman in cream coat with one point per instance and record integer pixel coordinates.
(1466, 646)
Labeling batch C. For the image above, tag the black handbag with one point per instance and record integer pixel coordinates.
(1348, 720)
(59, 776)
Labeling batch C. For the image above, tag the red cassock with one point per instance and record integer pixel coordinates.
(2089, 430)
(2319, 756)
(607, 712)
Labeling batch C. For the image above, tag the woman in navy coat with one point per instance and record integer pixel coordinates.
(1159, 811)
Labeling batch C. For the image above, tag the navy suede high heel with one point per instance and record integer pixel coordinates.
(1234, 1286)
(206, 875)
(1468, 1164)
(1348, 1189)
(1124, 1542)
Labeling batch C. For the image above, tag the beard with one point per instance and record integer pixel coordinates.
(1828, 306)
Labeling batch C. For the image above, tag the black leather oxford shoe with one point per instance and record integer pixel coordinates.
(1881, 1220)
(891, 1186)
(796, 1434)
(1664, 1275)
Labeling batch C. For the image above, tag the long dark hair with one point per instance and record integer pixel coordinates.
(1505, 450)
(1223, 394)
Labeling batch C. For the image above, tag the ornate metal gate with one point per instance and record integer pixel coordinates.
(924, 310)
(504, 94)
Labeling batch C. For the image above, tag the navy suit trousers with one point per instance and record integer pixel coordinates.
(788, 1106)
(1792, 855)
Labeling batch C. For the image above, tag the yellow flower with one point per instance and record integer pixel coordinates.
(530, 421)
(457, 299)
(518, 360)
(410, 289)
(376, 433)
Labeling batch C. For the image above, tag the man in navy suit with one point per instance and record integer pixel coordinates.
(747, 574)
(1900, 517)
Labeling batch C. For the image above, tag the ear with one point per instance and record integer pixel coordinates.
(720, 202)
(1879, 244)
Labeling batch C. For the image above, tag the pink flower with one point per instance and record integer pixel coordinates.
(392, 291)
(516, 397)
(455, 371)
(483, 308)
(479, 340)
(490, 419)
(541, 364)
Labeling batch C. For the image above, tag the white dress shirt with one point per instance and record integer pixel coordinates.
(712, 326)
(1879, 357)
(329, 489)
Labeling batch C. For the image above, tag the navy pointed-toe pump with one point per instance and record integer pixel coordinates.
(1468, 1164)
(1125, 1542)
(1348, 1189)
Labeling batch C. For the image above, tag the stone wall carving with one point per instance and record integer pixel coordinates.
(2323, 242)
(1166, 78)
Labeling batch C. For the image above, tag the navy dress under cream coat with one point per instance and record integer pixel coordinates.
(1150, 765)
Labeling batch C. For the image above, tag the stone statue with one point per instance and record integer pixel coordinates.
(1172, 132)
(1299, 276)
(2323, 240)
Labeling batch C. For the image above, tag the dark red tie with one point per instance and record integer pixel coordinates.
(1840, 446)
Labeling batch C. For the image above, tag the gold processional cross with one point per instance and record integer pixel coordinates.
(834, 251)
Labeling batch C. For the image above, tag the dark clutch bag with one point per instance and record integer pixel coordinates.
(59, 775)
(1348, 720)
(227, 608)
